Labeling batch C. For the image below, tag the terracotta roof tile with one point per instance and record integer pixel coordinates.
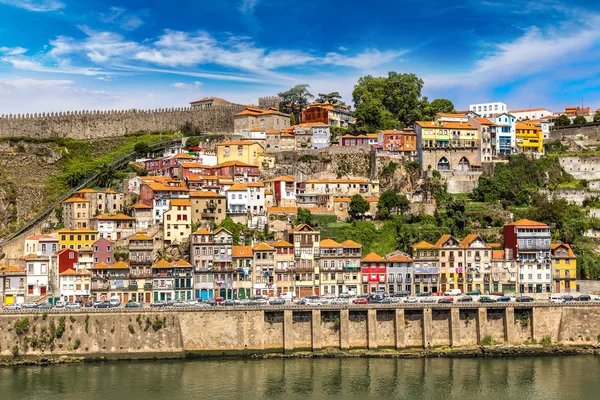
(241, 251)
(373, 257)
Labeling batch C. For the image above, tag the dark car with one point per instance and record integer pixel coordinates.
(568, 297)
(227, 303)
(133, 304)
(211, 302)
(386, 301)
(445, 300)
(45, 306)
(88, 304)
(158, 304)
(277, 302)
(500, 294)
(403, 293)
(584, 297)
(375, 298)
(504, 299)
(524, 299)
(486, 299)
(474, 293)
(465, 299)
(361, 301)
(424, 294)
(103, 304)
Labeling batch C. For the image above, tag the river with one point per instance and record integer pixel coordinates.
(346, 378)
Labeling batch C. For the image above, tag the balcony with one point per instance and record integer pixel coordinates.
(183, 274)
(99, 285)
(147, 286)
(451, 258)
(133, 287)
(211, 206)
(140, 247)
(470, 279)
(477, 258)
(340, 281)
(222, 257)
(166, 285)
(237, 211)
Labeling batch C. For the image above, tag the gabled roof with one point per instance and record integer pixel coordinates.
(238, 187)
(162, 263)
(14, 269)
(263, 247)
(221, 229)
(399, 258)
(528, 222)
(101, 265)
(75, 200)
(373, 257)
(466, 242)
(555, 246)
(120, 265)
(241, 251)
(303, 227)
(350, 243)
(141, 206)
(182, 263)
(202, 231)
(283, 243)
(424, 245)
(329, 243)
(140, 236)
(207, 194)
(443, 239)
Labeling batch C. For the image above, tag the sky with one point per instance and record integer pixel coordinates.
(59, 55)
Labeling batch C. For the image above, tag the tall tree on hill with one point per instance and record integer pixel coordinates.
(292, 119)
(597, 116)
(372, 116)
(398, 94)
(298, 97)
(333, 97)
(358, 206)
(436, 106)
(563, 120)
(579, 120)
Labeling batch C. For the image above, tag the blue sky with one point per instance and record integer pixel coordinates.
(90, 54)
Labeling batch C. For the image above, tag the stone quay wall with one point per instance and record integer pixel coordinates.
(253, 330)
(113, 123)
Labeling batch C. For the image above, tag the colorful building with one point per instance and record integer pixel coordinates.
(76, 238)
(426, 267)
(243, 151)
(529, 139)
(373, 271)
(564, 266)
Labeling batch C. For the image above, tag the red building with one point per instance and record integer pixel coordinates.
(150, 191)
(373, 270)
(67, 259)
(351, 140)
(168, 166)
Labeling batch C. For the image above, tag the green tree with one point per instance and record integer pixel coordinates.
(597, 116)
(563, 120)
(436, 106)
(141, 148)
(106, 174)
(358, 206)
(333, 98)
(403, 204)
(192, 141)
(579, 120)
(371, 115)
(298, 97)
(304, 216)
(292, 119)
(399, 94)
(389, 203)
(234, 227)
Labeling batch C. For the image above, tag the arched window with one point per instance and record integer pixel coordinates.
(443, 164)
(464, 164)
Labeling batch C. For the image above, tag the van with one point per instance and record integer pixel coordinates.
(114, 301)
(452, 292)
(288, 296)
(556, 299)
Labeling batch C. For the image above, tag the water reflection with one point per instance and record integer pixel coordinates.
(353, 378)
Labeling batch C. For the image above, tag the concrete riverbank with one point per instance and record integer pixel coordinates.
(415, 331)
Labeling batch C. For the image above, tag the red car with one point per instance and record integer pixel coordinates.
(363, 300)
(438, 294)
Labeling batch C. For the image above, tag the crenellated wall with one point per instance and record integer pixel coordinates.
(112, 123)
(252, 330)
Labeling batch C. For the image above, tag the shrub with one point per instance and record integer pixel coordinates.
(77, 344)
(61, 327)
(546, 341)
(15, 350)
(22, 326)
(44, 316)
(87, 323)
(131, 329)
(488, 340)
(72, 319)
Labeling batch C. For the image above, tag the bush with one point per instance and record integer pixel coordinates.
(61, 327)
(131, 329)
(22, 326)
(77, 344)
(546, 341)
(488, 340)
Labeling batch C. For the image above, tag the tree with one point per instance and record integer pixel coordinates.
(141, 148)
(193, 141)
(579, 120)
(436, 106)
(597, 116)
(371, 115)
(358, 206)
(106, 174)
(389, 203)
(403, 204)
(399, 94)
(298, 97)
(563, 120)
(234, 227)
(292, 119)
(332, 98)
(304, 216)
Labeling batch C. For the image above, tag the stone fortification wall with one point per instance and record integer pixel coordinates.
(102, 124)
(584, 167)
(251, 330)
(574, 132)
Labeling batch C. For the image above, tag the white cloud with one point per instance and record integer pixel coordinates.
(121, 17)
(247, 6)
(12, 51)
(182, 85)
(35, 5)
(29, 64)
(367, 59)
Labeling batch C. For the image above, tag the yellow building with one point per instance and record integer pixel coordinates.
(244, 151)
(76, 238)
(564, 265)
(177, 222)
(266, 161)
(529, 139)
(446, 134)
(426, 267)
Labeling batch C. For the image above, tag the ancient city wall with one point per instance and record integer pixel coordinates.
(254, 330)
(102, 124)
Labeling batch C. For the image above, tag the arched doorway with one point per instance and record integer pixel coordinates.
(464, 164)
(443, 164)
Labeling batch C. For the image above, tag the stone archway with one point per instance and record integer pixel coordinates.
(464, 164)
(443, 164)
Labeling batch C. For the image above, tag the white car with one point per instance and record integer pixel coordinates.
(340, 302)
(556, 299)
(427, 300)
(411, 300)
(72, 306)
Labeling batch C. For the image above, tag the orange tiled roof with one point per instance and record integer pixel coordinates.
(119, 217)
(283, 243)
(87, 190)
(282, 209)
(140, 236)
(241, 251)
(75, 200)
(555, 246)
(285, 178)
(180, 202)
(350, 243)
(373, 257)
(120, 265)
(484, 121)
(531, 109)
(207, 193)
(141, 205)
(162, 263)
(237, 187)
(466, 242)
(443, 239)
(497, 254)
(202, 231)
(101, 265)
(424, 245)
(329, 243)
(263, 247)
(182, 263)
(445, 124)
(528, 222)
(399, 258)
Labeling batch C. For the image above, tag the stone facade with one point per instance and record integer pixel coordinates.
(112, 123)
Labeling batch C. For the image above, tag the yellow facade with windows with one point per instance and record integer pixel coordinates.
(243, 151)
(564, 268)
(76, 238)
(447, 134)
(529, 138)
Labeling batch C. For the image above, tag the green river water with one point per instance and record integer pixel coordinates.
(346, 378)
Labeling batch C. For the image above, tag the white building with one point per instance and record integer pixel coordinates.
(256, 133)
(36, 268)
(75, 285)
(486, 110)
(237, 199)
(114, 227)
(532, 113)
(160, 206)
(505, 133)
